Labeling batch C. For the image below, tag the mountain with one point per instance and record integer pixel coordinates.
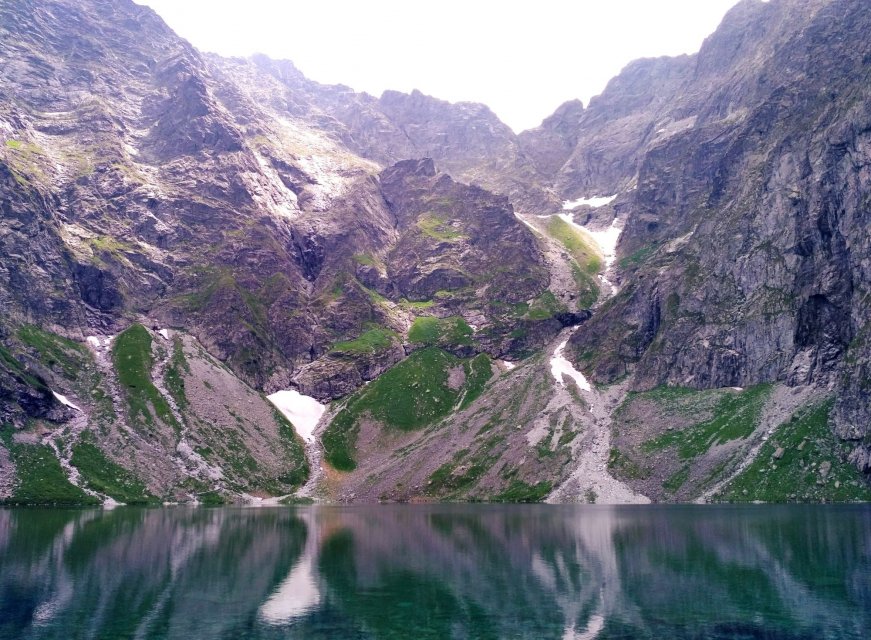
(184, 234)
(749, 226)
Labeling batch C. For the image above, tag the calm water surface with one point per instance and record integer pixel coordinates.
(445, 571)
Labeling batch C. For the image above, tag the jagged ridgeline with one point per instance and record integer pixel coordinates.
(223, 281)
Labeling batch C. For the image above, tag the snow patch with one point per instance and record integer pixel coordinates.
(508, 365)
(96, 342)
(595, 202)
(606, 243)
(164, 333)
(65, 401)
(304, 412)
(560, 366)
(606, 240)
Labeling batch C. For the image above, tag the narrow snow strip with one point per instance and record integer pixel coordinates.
(65, 401)
(304, 412)
(524, 221)
(595, 201)
(560, 366)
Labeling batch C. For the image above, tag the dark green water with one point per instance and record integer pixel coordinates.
(452, 571)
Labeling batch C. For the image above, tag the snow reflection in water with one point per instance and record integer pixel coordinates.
(525, 571)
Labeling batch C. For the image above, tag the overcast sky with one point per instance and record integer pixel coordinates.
(523, 59)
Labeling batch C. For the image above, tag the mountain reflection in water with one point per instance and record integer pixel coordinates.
(437, 571)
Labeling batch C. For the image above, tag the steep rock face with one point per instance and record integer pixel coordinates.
(468, 141)
(747, 242)
(599, 150)
(225, 197)
(550, 144)
(465, 139)
(455, 251)
(617, 124)
(455, 237)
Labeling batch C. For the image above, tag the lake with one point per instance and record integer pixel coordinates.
(437, 571)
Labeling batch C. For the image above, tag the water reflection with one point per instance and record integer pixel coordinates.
(437, 572)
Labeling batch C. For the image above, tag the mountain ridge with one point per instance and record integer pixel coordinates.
(290, 234)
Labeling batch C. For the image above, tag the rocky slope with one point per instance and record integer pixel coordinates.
(747, 239)
(183, 233)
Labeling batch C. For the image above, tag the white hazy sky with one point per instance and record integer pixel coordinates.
(522, 59)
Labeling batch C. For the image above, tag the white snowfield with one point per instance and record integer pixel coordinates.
(65, 401)
(606, 240)
(559, 366)
(595, 202)
(304, 412)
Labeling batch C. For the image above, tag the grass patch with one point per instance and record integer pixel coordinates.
(437, 228)
(373, 340)
(410, 305)
(54, 351)
(625, 467)
(106, 477)
(339, 441)
(297, 472)
(8, 361)
(545, 306)
(451, 478)
(638, 257)
(40, 478)
(367, 260)
(174, 377)
(131, 355)
(25, 159)
(108, 244)
(581, 249)
(586, 261)
(478, 372)
(519, 491)
(431, 331)
(409, 396)
(588, 288)
(212, 499)
(735, 416)
(425, 329)
(808, 445)
(676, 480)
